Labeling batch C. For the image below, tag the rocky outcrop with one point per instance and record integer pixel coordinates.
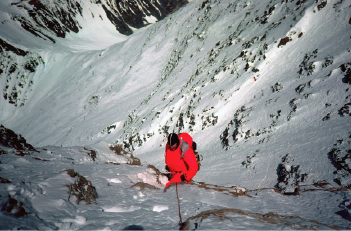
(82, 188)
(12, 207)
(340, 157)
(17, 67)
(10, 139)
(289, 176)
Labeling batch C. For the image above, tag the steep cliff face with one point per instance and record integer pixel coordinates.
(44, 18)
(127, 14)
(40, 17)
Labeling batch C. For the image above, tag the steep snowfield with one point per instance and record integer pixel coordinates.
(262, 86)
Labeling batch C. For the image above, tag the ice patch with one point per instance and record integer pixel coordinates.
(114, 180)
(79, 220)
(160, 208)
(148, 176)
(118, 209)
(150, 19)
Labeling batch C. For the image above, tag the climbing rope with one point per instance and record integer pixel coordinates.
(180, 216)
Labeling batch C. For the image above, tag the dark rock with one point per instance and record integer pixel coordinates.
(91, 154)
(345, 110)
(10, 139)
(3, 180)
(234, 127)
(327, 117)
(8, 47)
(289, 176)
(328, 61)
(322, 5)
(340, 157)
(346, 208)
(306, 65)
(346, 69)
(284, 41)
(12, 207)
(277, 87)
(81, 188)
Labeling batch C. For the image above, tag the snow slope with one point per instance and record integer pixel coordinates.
(262, 86)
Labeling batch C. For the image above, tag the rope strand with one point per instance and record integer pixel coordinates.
(180, 216)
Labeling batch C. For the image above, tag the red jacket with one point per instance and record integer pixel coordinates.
(178, 165)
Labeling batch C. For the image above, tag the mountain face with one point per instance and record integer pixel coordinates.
(49, 20)
(126, 15)
(263, 87)
(61, 17)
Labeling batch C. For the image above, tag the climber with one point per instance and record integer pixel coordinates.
(180, 159)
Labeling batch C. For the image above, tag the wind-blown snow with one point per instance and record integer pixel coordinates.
(262, 86)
